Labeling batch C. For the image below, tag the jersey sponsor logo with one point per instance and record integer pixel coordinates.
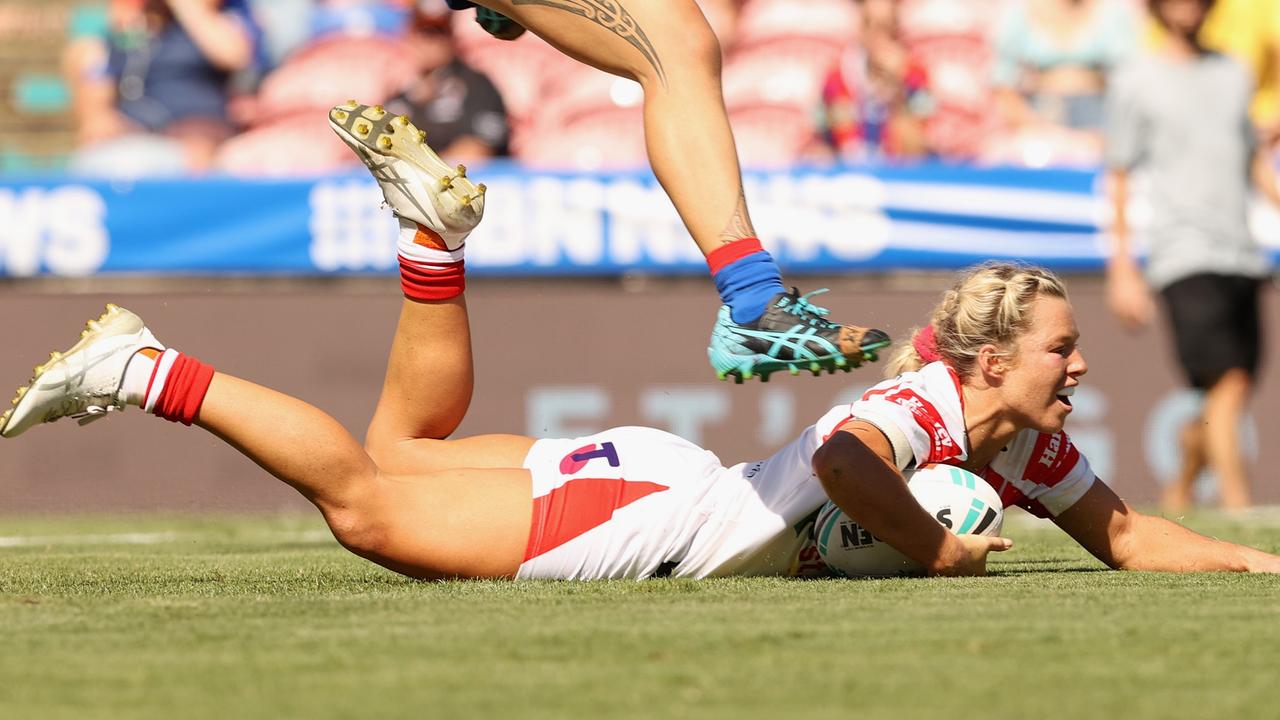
(578, 506)
(1050, 452)
(578, 459)
(1052, 459)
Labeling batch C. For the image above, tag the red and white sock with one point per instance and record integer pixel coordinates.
(177, 387)
(428, 269)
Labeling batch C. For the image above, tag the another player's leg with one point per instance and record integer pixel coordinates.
(428, 384)
(418, 524)
(668, 47)
(1179, 495)
(1224, 408)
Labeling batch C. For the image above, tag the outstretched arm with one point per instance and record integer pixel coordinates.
(857, 471)
(1125, 539)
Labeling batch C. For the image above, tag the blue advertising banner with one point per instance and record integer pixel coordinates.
(540, 223)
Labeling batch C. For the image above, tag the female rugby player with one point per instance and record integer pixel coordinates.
(987, 387)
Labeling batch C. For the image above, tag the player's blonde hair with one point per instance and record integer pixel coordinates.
(989, 303)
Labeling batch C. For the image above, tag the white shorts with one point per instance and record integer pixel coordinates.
(624, 503)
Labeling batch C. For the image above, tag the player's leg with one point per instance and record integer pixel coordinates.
(1179, 495)
(421, 524)
(429, 379)
(1216, 326)
(417, 524)
(668, 47)
(425, 395)
(1224, 408)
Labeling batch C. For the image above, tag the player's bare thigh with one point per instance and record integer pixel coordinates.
(645, 40)
(455, 523)
(417, 456)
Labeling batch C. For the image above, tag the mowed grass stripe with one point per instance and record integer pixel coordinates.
(227, 623)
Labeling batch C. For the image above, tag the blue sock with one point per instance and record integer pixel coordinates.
(748, 284)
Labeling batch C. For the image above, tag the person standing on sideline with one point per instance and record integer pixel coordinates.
(1181, 113)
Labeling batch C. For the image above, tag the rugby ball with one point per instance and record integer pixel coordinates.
(961, 501)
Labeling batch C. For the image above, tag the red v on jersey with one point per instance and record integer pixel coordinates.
(578, 506)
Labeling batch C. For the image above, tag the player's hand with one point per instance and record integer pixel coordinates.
(1128, 295)
(1261, 562)
(969, 555)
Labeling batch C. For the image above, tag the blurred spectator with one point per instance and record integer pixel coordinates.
(1181, 114)
(1051, 62)
(286, 25)
(163, 72)
(1250, 31)
(875, 101)
(458, 107)
(358, 18)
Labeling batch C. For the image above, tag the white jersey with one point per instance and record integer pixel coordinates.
(922, 415)
(636, 502)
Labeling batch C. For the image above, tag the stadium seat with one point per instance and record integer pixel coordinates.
(331, 71)
(771, 135)
(300, 144)
(520, 69)
(784, 71)
(590, 121)
(828, 22)
(581, 98)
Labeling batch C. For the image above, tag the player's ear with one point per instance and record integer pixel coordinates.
(992, 362)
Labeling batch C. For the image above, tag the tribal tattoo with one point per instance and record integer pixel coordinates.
(610, 15)
(739, 226)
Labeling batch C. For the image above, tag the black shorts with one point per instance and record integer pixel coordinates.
(1217, 325)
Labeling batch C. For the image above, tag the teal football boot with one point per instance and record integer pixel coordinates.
(792, 335)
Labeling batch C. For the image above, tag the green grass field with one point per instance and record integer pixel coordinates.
(267, 618)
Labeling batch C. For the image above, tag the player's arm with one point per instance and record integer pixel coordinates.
(1125, 539)
(1264, 175)
(857, 470)
(1127, 292)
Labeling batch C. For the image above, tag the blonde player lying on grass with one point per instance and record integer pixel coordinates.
(986, 386)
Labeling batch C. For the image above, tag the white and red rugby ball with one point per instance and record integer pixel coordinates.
(961, 501)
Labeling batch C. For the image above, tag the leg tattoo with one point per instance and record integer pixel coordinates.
(739, 225)
(610, 15)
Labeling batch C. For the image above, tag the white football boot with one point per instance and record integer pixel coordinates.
(85, 381)
(415, 182)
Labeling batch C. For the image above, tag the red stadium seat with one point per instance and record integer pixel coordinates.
(830, 22)
(771, 136)
(600, 138)
(300, 144)
(780, 72)
(331, 71)
(520, 70)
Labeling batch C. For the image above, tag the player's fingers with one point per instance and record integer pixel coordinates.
(999, 544)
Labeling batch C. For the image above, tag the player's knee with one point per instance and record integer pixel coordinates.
(703, 50)
(358, 530)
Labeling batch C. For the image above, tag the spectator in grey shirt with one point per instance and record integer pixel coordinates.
(1181, 114)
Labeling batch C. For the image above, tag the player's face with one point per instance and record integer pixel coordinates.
(1045, 367)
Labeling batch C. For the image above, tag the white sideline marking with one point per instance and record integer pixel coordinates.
(156, 538)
